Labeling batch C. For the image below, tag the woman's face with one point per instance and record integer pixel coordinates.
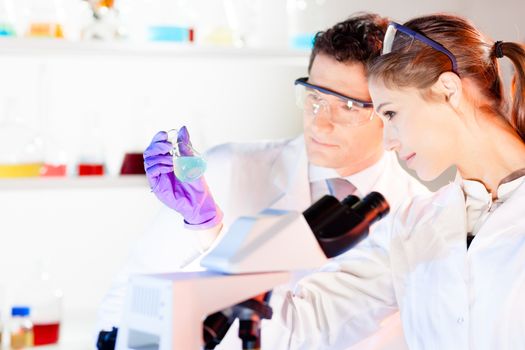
(420, 131)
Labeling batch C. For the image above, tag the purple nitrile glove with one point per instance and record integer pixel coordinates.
(192, 200)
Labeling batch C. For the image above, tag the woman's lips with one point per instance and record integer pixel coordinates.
(408, 158)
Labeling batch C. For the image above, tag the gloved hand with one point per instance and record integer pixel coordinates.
(192, 200)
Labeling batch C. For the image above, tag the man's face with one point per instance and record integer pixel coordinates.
(343, 147)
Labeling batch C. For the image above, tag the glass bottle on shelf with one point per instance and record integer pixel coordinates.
(305, 18)
(21, 327)
(91, 159)
(218, 23)
(46, 305)
(7, 18)
(105, 22)
(45, 19)
(21, 147)
(159, 20)
(55, 159)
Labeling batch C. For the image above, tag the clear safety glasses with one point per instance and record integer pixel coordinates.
(400, 38)
(315, 100)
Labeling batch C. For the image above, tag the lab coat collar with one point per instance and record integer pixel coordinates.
(451, 216)
(510, 213)
(290, 176)
(505, 189)
(364, 180)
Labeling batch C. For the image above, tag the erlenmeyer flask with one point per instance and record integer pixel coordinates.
(188, 164)
(21, 147)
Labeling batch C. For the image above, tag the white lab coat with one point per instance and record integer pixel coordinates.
(449, 297)
(244, 179)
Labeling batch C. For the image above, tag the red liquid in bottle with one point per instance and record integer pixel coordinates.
(85, 169)
(46, 333)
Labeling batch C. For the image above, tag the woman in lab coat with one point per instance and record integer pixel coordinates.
(246, 178)
(452, 262)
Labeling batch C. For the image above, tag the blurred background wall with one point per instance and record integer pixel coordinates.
(78, 99)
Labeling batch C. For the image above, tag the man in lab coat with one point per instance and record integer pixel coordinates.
(246, 178)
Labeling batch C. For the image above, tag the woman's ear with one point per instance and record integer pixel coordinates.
(450, 86)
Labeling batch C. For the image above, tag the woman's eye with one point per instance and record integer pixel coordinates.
(389, 114)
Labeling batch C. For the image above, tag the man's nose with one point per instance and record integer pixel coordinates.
(322, 118)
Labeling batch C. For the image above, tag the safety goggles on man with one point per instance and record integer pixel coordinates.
(399, 38)
(315, 100)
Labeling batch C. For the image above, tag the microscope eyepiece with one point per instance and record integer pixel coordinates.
(350, 200)
(338, 226)
(374, 205)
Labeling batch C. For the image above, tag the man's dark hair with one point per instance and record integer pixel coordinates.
(357, 39)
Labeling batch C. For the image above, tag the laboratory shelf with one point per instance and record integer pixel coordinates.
(52, 47)
(87, 182)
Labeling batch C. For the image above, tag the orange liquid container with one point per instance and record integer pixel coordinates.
(20, 170)
(46, 30)
(45, 333)
(106, 3)
(21, 339)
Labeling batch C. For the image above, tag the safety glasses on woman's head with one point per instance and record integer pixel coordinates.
(316, 100)
(399, 37)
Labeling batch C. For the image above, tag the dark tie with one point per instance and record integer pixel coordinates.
(340, 188)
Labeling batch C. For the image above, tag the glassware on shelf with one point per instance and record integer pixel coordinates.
(106, 3)
(26, 149)
(7, 18)
(53, 170)
(91, 162)
(90, 169)
(105, 23)
(55, 159)
(133, 164)
(45, 19)
(170, 33)
(21, 327)
(39, 292)
(171, 20)
(46, 310)
(218, 23)
(21, 147)
(159, 20)
(91, 157)
(188, 164)
(305, 19)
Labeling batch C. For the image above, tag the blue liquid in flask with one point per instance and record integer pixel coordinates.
(188, 169)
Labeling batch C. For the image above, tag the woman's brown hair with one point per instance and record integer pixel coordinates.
(420, 66)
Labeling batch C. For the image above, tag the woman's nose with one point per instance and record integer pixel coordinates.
(390, 143)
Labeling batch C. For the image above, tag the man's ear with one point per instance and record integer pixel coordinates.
(449, 85)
